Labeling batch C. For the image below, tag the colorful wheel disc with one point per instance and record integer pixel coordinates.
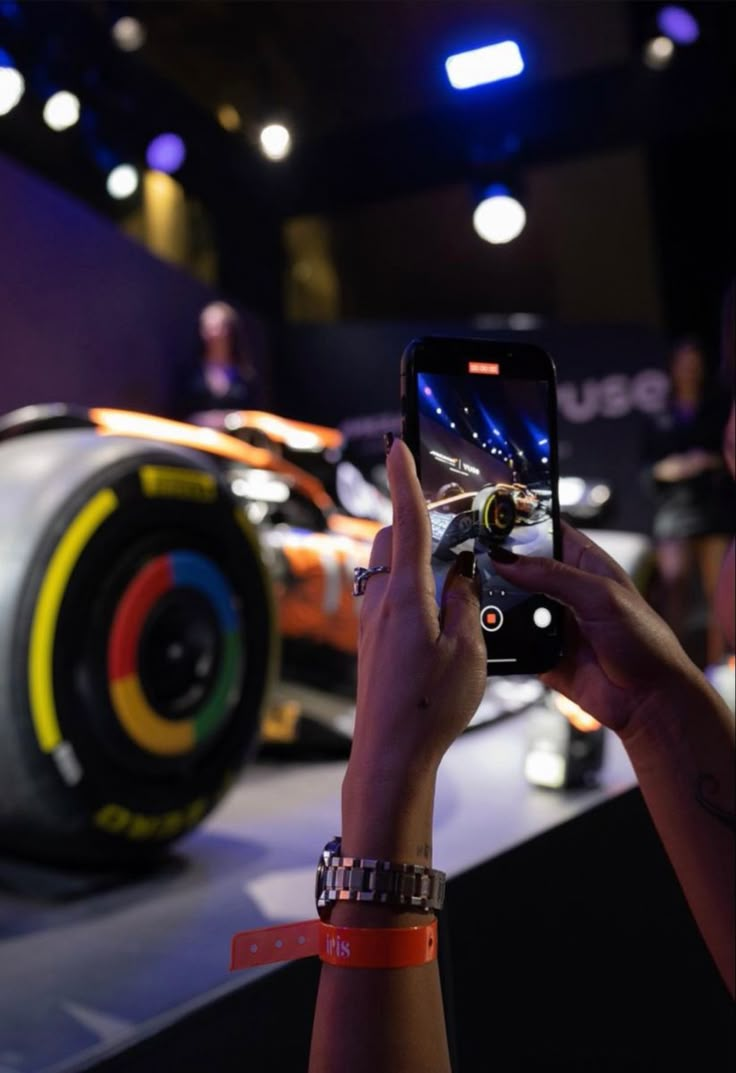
(162, 577)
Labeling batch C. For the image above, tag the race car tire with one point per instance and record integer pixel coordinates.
(498, 516)
(137, 645)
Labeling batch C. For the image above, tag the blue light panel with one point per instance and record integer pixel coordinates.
(482, 65)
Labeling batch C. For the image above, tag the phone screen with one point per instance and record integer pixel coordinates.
(487, 469)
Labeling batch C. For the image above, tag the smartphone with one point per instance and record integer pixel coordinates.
(480, 418)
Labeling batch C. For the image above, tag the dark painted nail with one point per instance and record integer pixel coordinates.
(502, 555)
(388, 442)
(466, 564)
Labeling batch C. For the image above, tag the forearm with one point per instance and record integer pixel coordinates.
(382, 1019)
(681, 746)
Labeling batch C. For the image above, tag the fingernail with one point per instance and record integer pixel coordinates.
(502, 555)
(466, 564)
(388, 442)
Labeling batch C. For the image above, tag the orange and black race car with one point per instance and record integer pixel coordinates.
(487, 515)
(149, 568)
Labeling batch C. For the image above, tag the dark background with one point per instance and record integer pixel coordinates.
(627, 173)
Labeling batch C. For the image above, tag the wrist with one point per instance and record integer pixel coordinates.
(387, 817)
(668, 714)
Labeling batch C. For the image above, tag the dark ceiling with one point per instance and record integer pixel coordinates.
(328, 67)
(627, 173)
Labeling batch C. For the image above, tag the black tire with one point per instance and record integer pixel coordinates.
(43, 418)
(136, 645)
(498, 516)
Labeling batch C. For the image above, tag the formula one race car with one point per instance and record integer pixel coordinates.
(148, 567)
(488, 516)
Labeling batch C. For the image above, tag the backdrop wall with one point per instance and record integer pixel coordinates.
(87, 316)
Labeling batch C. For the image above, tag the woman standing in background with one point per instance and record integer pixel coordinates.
(225, 378)
(694, 500)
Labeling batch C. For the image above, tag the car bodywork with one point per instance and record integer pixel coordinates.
(310, 547)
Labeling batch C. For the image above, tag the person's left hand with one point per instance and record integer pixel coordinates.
(421, 669)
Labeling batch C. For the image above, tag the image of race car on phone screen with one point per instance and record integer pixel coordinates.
(511, 515)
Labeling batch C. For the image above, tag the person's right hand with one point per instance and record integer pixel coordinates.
(619, 656)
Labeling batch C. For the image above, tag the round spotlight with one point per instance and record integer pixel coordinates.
(275, 141)
(229, 117)
(658, 53)
(128, 34)
(499, 218)
(122, 181)
(12, 84)
(166, 153)
(61, 110)
(677, 22)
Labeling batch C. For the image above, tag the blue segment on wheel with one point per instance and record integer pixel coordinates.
(193, 571)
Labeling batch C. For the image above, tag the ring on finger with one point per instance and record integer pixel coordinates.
(361, 574)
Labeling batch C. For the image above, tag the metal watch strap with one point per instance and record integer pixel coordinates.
(361, 879)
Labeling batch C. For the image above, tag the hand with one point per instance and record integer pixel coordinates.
(669, 469)
(698, 460)
(421, 670)
(619, 655)
(680, 467)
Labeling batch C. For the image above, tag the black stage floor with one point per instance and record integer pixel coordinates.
(545, 888)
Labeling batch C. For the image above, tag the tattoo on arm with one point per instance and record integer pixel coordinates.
(424, 849)
(707, 785)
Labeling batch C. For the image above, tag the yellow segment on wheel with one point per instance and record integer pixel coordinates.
(175, 482)
(166, 737)
(46, 614)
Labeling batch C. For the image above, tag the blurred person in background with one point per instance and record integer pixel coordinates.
(694, 501)
(225, 378)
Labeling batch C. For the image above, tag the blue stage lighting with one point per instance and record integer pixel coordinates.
(166, 153)
(482, 65)
(678, 24)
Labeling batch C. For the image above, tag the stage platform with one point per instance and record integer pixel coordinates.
(89, 977)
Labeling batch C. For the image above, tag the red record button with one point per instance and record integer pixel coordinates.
(491, 618)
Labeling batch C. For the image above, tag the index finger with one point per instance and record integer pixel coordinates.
(411, 538)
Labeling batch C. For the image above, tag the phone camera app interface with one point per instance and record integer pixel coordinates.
(487, 479)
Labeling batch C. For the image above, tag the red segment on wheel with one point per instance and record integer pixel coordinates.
(146, 588)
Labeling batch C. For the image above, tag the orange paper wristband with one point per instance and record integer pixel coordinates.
(351, 948)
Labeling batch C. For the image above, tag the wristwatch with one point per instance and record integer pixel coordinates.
(362, 879)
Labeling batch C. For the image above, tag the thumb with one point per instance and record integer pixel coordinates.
(590, 596)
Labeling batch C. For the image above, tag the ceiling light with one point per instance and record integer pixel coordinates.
(658, 52)
(483, 65)
(275, 141)
(677, 22)
(12, 84)
(499, 218)
(61, 110)
(128, 34)
(229, 117)
(122, 181)
(166, 153)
